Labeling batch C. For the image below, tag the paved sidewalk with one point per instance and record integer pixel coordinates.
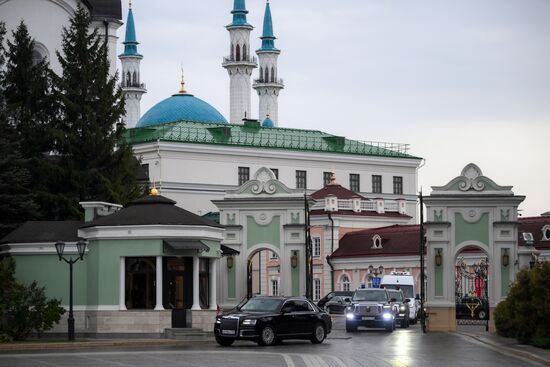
(89, 343)
(510, 345)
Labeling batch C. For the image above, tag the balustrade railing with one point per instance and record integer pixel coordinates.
(267, 81)
(229, 59)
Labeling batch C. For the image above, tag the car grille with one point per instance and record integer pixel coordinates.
(367, 310)
(230, 324)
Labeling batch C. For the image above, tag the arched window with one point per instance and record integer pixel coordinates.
(128, 79)
(135, 81)
(39, 53)
(238, 53)
(266, 76)
(546, 233)
(272, 74)
(232, 52)
(376, 241)
(244, 53)
(345, 283)
(261, 72)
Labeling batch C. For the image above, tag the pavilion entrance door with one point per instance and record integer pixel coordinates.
(178, 291)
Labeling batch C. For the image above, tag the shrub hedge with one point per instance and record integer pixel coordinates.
(525, 314)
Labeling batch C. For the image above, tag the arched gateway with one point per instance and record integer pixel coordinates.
(472, 239)
(264, 222)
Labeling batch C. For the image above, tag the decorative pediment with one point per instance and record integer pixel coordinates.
(263, 182)
(472, 181)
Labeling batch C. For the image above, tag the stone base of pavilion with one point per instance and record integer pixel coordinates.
(129, 323)
(444, 319)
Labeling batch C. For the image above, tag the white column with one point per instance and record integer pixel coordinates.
(196, 301)
(213, 283)
(122, 285)
(159, 306)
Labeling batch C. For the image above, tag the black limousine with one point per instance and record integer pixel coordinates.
(268, 320)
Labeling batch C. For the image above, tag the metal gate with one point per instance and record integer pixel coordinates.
(471, 293)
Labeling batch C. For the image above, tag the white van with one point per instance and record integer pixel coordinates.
(405, 282)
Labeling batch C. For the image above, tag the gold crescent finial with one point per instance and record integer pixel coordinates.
(182, 83)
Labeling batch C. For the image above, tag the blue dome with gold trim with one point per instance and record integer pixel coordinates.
(181, 107)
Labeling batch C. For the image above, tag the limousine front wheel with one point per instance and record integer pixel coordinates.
(224, 342)
(267, 336)
(319, 334)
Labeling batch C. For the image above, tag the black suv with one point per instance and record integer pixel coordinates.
(401, 307)
(371, 307)
(267, 320)
(330, 295)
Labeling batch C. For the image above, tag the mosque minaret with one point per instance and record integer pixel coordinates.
(268, 85)
(132, 87)
(239, 64)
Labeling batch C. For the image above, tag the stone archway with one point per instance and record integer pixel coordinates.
(472, 284)
(263, 271)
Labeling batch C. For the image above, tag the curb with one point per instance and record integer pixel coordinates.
(514, 351)
(92, 344)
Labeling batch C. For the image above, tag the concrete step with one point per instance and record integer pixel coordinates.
(189, 334)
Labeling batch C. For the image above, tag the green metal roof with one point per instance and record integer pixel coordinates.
(252, 135)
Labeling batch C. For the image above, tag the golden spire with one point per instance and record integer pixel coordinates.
(182, 90)
(154, 191)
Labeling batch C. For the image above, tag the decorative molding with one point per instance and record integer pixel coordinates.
(472, 181)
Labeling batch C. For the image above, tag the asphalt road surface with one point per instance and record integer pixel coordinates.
(403, 347)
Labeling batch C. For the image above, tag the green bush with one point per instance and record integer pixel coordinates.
(24, 308)
(525, 314)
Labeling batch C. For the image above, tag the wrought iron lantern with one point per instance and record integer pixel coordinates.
(230, 261)
(438, 258)
(505, 258)
(294, 260)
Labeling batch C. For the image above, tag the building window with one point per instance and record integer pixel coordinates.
(301, 182)
(316, 246)
(316, 289)
(354, 182)
(377, 184)
(274, 287)
(273, 256)
(244, 175)
(326, 178)
(345, 283)
(376, 241)
(140, 282)
(398, 185)
(546, 233)
(275, 172)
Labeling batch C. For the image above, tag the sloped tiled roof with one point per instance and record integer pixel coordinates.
(256, 136)
(534, 225)
(150, 210)
(337, 190)
(397, 240)
(44, 231)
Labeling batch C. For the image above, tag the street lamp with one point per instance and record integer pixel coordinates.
(376, 272)
(60, 247)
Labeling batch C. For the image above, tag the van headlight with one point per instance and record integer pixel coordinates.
(387, 316)
(402, 308)
(249, 322)
(350, 316)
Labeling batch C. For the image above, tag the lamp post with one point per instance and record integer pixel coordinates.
(376, 271)
(60, 247)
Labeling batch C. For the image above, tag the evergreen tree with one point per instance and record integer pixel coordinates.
(16, 199)
(29, 99)
(97, 164)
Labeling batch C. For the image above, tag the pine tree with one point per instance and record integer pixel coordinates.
(97, 164)
(29, 98)
(16, 199)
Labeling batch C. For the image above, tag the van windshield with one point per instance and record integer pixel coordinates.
(407, 289)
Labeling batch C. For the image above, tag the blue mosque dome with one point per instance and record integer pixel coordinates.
(268, 122)
(181, 107)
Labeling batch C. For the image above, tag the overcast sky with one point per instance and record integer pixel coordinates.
(460, 81)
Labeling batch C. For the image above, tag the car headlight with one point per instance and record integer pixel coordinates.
(249, 322)
(387, 316)
(402, 308)
(350, 316)
(218, 321)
